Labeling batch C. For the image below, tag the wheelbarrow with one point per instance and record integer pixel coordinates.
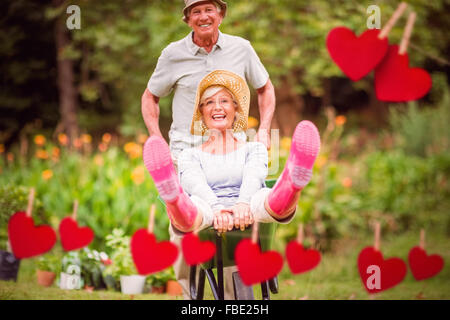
(225, 246)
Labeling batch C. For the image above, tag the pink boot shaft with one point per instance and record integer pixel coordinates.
(298, 169)
(158, 161)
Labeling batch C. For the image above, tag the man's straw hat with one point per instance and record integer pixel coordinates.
(188, 3)
(237, 86)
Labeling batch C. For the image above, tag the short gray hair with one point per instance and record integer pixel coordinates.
(218, 7)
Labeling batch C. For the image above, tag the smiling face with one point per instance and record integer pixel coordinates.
(204, 19)
(219, 110)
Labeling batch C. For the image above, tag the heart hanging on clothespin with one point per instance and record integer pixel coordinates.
(196, 251)
(299, 259)
(27, 240)
(72, 236)
(150, 256)
(395, 81)
(424, 266)
(355, 55)
(253, 265)
(379, 274)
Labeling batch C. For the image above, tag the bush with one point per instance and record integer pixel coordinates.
(112, 187)
(422, 132)
(410, 189)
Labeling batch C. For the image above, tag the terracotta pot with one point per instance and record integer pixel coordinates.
(45, 278)
(173, 288)
(158, 289)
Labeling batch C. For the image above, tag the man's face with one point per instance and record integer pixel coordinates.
(204, 19)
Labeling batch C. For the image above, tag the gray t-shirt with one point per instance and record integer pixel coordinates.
(183, 64)
(224, 179)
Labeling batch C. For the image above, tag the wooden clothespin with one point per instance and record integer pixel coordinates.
(407, 33)
(30, 202)
(422, 239)
(255, 232)
(377, 236)
(390, 24)
(151, 219)
(75, 210)
(300, 234)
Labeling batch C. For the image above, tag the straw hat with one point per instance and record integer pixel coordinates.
(237, 86)
(189, 3)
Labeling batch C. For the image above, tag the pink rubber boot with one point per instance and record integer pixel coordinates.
(298, 169)
(158, 161)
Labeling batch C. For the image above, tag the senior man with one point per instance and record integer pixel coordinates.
(180, 68)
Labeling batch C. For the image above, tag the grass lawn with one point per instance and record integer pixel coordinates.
(335, 278)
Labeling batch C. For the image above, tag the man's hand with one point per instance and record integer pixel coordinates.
(223, 220)
(242, 215)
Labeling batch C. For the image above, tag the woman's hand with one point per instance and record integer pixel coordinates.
(223, 220)
(242, 215)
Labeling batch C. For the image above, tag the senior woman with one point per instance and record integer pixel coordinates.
(221, 182)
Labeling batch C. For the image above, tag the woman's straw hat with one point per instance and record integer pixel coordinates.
(237, 86)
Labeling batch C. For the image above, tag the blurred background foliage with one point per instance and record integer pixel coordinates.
(378, 161)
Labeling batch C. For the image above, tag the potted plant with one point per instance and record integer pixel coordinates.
(92, 267)
(122, 268)
(159, 280)
(173, 288)
(70, 276)
(47, 268)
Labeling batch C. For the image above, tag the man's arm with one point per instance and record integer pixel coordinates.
(150, 112)
(266, 103)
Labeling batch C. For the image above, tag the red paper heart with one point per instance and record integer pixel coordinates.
(391, 271)
(299, 259)
(395, 81)
(27, 240)
(196, 251)
(356, 56)
(254, 266)
(150, 256)
(424, 266)
(72, 236)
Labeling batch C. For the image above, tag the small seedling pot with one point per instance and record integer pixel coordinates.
(133, 284)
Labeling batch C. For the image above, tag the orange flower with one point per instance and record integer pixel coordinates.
(106, 138)
(98, 160)
(347, 182)
(47, 174)
(2, 148)
(10, 156)
(252, 122)
(286, 143)
(41, 154)
(340, 120)
(86, 138)
(133, 149)
(102, 147)
(321, 160)
(141, 138)
(138, 175)
(55, 153)
(77, 143)
(39, 140)
(63, 139)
